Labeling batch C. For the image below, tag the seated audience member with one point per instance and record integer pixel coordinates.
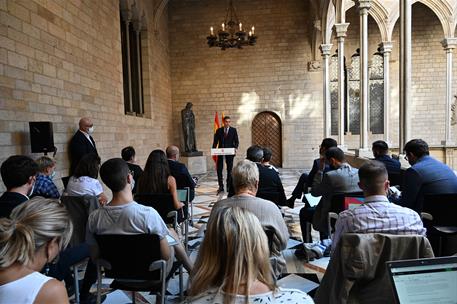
(245, 179)
(180, 172)
(380, 151)
(267, 154)
(33, 236)
(269, 181)
(306, 180)
(425, 176)
(84, 180)
(128, 154)
(342, 179)
(376, 214)
(233, 265)
(18, 174)
(125, 216)
(44, 186)
(157, 178)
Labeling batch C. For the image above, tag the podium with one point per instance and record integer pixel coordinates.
(222, 151)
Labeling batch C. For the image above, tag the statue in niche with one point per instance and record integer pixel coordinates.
(188, 128)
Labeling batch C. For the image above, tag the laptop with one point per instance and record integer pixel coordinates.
(351, 202)
(424, 280)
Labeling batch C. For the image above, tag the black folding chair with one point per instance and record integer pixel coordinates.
(163, 204)
(439, 213)
(79, 208)
(274, 197)
(133, 261)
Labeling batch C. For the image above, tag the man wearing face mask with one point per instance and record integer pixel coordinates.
(82, 142)
(44, 185)
(18, 174)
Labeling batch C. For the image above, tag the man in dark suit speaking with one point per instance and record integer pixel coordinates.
(225, 137)
(82, 143)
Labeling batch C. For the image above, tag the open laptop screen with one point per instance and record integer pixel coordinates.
(351, 202)
(425, 280)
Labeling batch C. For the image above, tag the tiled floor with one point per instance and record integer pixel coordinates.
(205, 198)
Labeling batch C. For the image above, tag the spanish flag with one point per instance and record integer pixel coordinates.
(216, 126)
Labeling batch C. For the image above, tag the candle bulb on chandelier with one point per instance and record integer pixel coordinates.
(211, 30)
(223, 27)
(253, 30)
(241, 27)
(250, 33)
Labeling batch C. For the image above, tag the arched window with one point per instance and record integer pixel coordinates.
(376, 104)
(334, 94)
(353, 110)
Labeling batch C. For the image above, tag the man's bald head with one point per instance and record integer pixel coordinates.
(85, 123)
(172, 152)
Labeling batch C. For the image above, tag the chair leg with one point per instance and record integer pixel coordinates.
(181, 283)
(186, 236)
(440, 246)
(308, 238)
(99, 285)
(76, 284)
(133, 297)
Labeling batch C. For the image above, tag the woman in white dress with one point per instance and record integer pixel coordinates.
(233, 263)
(32, 237)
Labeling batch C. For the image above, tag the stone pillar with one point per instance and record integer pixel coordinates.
(325, 50)
(127, 15)
(364, 6)
(386, 49)
(137, 28)
(405, 72)
(341, 29)
(448, 44)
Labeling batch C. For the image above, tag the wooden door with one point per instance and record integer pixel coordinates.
(266, 132)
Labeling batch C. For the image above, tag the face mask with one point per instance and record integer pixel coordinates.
(31, 190)
(91, 130)
(53, 174)
(132, 184)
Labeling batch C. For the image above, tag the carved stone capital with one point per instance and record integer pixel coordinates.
(137, 25)
(126, 15)
(341, 29)
(317, 25)
(363, 6)
(325, 49)
(449, 43)
(386, 46)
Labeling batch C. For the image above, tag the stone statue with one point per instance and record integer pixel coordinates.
(188, 128)
(453, 112)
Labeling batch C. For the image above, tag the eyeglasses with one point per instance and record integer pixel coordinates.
(405, 157)
(131, 172)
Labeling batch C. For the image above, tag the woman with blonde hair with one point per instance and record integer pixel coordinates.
(32, 237)
(233, 263)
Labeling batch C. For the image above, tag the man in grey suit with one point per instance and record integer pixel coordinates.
(342, 179)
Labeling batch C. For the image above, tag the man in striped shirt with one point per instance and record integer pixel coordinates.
(377, 214)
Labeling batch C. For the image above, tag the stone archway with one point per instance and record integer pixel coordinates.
(267, 132)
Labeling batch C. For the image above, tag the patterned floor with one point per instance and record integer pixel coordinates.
(205, 198)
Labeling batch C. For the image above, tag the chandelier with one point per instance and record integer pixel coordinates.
(231, 35)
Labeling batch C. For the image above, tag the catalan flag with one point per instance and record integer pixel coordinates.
(216, 126)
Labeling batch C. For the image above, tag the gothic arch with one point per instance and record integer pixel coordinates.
(158, 14)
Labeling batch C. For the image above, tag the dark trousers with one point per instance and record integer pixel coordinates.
(220, 166)
(67, 258)
(302, 186)
(306, 216)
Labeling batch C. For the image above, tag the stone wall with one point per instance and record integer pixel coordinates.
(61, 60)
(270, 76)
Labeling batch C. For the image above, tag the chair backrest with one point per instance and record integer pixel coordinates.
(161, 202)
(396, 179)
(443, 208)
(79, 208)
(274, 197)
(183, 195)
(129, 256)
(357, 271)
(270, 232)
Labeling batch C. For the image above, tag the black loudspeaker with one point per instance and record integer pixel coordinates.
(41, 136)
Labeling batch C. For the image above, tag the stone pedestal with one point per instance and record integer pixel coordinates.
(195, 164)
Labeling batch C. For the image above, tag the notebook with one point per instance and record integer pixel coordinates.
(424, 280)
(351, 202)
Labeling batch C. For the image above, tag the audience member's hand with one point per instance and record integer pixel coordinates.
(102, 199)
(181, 204)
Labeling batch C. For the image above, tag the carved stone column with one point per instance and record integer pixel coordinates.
(448, 44)
(364, 6)
(386, 49)
(405, 72)
(341, 29)
(325, 50)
